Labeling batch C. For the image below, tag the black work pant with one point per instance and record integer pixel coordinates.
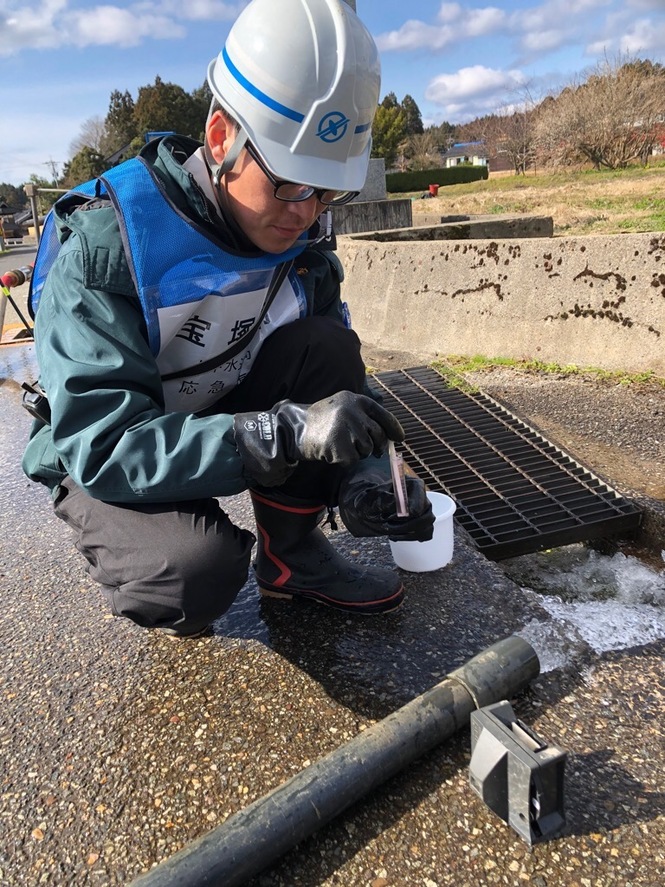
(181, 564)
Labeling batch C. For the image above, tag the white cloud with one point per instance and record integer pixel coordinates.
(626, 35)
(473, 90)
(473, 82)
(540, 26)
(599, 47)
(645, 5)
(479, 22)
(556, 13)
(557, 23)
(449, 12)
(471, 22)
(643, 37)
(210, 10)
(538, 29)
(23, 26)
(112, 26)
(546, 40)
(455, 24)
(53, 23)
(193, 10)
(416, 35)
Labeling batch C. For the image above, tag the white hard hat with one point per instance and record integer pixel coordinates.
(302, 79)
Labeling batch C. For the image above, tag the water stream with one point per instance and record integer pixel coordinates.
(594, 600)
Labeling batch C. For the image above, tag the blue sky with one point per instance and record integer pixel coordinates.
(61, 59)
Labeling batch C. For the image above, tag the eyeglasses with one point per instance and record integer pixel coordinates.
(292, 192)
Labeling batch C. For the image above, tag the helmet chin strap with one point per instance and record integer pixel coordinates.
(219, 169)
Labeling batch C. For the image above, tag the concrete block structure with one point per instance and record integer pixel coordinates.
(589, 301)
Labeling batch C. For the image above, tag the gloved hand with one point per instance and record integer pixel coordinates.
(341, 429)
(368, 507)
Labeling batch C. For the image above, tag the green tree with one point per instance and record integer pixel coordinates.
(166, 107)
(414, 120)
(388, 133)
(86, 165)
(390, 101)
(202, 97)
(46, 197)
(120, 122)
(445, 135)
(13, 195)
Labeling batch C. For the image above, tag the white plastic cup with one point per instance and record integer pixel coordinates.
(421, 557)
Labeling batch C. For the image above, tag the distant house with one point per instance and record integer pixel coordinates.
(6, 210)
(9, 220)
(474, 153)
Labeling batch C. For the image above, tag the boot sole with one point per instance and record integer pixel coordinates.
(362, 608)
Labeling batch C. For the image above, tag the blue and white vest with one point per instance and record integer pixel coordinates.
(198, 300)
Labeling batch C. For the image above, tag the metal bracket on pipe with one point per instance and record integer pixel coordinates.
(516, 773)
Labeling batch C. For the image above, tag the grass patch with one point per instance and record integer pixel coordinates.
(642, 225)
(455, 367)
(580, 202)
(656, 204)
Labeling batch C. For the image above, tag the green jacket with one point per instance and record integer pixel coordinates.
(109, 430)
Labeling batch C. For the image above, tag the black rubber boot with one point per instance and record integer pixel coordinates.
(296, 559)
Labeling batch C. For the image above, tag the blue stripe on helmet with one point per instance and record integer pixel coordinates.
(261, 96)
(362, 128)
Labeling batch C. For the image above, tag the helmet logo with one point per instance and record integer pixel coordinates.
(333, 127)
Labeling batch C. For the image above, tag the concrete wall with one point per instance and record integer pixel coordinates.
(464, 228)
(373, 215)
(590, 301)
(375, 183)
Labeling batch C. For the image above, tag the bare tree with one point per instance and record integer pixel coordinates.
(508, 133)
(92, 135)
(421, 151)
(610, 119)
(516, 131)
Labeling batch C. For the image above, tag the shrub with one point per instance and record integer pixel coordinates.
(400, 182)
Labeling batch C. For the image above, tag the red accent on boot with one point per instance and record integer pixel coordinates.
(284, 572)
(293, 509)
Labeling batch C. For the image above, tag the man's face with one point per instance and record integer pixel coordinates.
(272, 225)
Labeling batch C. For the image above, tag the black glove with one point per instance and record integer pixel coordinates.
(341, 429)
(368, 507)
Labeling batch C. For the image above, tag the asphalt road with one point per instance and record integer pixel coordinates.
(120, 746)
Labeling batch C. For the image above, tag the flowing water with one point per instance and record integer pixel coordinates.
(594, 601)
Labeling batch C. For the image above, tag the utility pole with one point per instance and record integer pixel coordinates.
(53, 166)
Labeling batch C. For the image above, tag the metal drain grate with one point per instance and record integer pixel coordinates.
(515, 491)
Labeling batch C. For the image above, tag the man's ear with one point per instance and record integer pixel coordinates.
(220, 134)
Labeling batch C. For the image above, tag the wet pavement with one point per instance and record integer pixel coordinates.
(120, 746)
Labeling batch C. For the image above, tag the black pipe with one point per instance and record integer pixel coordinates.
(257, 836)
(18, 311)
